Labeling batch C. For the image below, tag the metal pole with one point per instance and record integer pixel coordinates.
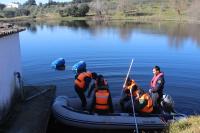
(127, 75)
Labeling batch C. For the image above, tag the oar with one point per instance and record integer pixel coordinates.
(127, 76)
(136, 126)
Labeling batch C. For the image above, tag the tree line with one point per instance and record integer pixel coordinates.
(79, 8)
(76, 8)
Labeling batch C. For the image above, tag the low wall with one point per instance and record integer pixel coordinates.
(10, 62)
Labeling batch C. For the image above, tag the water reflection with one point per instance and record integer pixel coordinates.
(99, 43)
(75, 24)
(176, 33)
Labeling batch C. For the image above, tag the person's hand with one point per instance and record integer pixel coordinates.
(137, 98)
(150, 90)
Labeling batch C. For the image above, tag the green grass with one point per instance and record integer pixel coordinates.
(154, 11)
(190, 125)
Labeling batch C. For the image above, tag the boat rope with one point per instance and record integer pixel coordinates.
(127, 75)
(36, 88)
(136, 126)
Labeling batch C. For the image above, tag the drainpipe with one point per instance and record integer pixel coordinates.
(19, 78)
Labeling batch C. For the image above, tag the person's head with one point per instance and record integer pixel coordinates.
(128, 81)
(100, 80)
(135, 87)
(141, 91)
(94, 75)
(156, 70)
(81, 70)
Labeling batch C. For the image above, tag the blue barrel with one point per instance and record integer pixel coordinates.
(59, 63)
(81, 65)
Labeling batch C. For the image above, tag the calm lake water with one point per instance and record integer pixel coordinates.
(108, 47)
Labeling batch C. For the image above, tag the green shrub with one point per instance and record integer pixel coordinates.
(22, 12)
(75, 11)
(9, 13)
(83, 9)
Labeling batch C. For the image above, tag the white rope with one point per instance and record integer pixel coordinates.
(136, 126)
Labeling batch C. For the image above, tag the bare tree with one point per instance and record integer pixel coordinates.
(126, 5)
(101, 6)
(179, 5)
(194, 10)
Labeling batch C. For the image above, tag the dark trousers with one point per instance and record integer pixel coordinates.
(126, 103)
(156, 97)
(81, 95)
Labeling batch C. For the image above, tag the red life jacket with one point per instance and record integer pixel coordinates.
(80, 81)
(102, 100)
(155, 79)
(149, 107)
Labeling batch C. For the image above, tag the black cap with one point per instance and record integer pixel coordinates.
(157, 68)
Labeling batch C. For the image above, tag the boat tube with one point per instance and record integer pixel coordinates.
(68, 111)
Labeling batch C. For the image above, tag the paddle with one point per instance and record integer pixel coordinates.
(136, 126)
(127, 75)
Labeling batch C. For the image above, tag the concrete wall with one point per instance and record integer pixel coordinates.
(10, 62)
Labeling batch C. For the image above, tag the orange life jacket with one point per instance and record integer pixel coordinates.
(80, 81)
(102, 100)
(149, 107)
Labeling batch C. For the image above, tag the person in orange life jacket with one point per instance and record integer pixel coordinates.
(82, 82)
(102, 101)
(125, 100)
(157, 86)
(143, 103)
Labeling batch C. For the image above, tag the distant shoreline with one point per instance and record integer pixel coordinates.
(105, 18)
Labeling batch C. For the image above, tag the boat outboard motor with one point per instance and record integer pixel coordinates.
(167, 104)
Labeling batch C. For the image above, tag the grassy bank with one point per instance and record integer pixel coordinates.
(190, 125)
(156, 10)
(117, 16)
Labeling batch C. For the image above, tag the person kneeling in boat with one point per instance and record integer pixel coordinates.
(125, 100)
(82, 83)
(102, 101)
(143, 103)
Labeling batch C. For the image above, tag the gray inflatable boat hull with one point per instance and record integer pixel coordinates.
(69, 116)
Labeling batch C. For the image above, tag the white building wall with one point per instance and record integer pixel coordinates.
(12, 5)
(10, 62)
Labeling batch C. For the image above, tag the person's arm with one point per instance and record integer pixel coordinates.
(90, 90)
(159, 84)
(87, 81)
(110, 102)
(76, 76)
